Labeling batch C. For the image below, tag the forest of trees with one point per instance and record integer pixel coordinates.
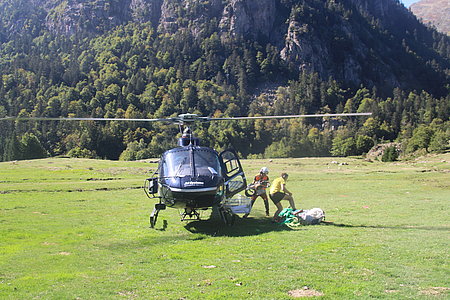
(135, 72)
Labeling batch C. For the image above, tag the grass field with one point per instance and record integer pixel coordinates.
(78, 229)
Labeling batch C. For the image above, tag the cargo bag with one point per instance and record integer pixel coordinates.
(302, 217)
(311, 216)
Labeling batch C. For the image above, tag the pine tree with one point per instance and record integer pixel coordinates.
(31, 147)
(12, 149)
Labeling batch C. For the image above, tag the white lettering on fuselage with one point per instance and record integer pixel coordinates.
(194, 183)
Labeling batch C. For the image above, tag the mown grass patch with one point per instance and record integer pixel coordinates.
(79, 229)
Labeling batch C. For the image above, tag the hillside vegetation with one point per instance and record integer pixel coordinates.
(153, 59)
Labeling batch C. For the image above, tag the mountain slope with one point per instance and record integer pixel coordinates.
(355, 42)
(434, 12)
(158, 58)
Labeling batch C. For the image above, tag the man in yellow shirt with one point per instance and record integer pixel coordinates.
(278, 192)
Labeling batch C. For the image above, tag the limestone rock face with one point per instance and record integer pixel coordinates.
(146, 10)
(343, 55)
(379, 8)
(305, 50)
(72, 16)
(353, 41)
(168, 20)
(249, 18)
(192, 15)
(434, 12)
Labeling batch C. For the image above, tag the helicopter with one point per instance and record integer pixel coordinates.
(192, 177)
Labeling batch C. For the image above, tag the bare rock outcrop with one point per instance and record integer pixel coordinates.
(198, 13)
(434, 12)
(249, 18)
(377, 151)
(72, 16)
(354, 41)
(146, 10)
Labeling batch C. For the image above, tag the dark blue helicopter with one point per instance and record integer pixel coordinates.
(192, 177)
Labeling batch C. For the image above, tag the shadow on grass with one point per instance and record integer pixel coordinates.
(241, 227)
(164, 227)
(431, 228)
(197, 231)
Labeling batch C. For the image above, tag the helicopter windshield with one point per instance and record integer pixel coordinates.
(206, 163)
(191, 162)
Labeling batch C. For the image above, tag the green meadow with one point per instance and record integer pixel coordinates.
(79, 229)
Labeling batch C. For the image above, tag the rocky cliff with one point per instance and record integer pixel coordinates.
(353, 41)
(434, 12)
(342, 49)
(249, 18)
(73, 16)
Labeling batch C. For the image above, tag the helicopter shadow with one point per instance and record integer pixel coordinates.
(241, 227)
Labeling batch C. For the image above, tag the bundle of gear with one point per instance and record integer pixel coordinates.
(302, 217)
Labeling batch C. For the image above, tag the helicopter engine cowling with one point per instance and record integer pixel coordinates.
(186, 141)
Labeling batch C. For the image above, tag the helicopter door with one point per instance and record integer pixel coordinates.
(233, 173)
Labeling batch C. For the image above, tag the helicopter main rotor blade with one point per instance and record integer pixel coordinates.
(184, 118)
(84, 119)
(291, 116)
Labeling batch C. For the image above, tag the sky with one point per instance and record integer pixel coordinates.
(407, 3)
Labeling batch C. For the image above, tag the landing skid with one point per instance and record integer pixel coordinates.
(154, 217)
(227, 216)
(190, 214)
(155, 212)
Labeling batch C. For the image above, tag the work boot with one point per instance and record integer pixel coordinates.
(277, 219)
